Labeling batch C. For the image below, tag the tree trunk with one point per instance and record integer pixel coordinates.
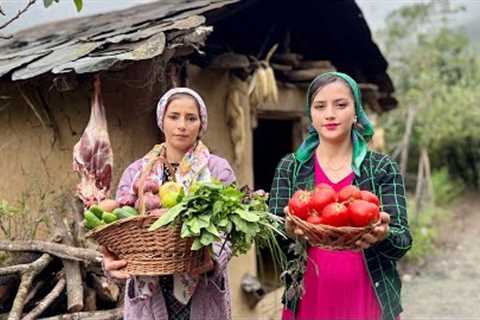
(406, 139)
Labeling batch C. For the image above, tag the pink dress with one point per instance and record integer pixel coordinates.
(337, 284)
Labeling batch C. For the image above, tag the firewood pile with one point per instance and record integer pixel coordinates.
(60, 278)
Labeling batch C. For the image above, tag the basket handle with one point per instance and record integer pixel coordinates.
(157, 153)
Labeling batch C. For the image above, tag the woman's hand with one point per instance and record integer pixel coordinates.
(378, 233)
(293, 231)
(207, 265)
(112, 265)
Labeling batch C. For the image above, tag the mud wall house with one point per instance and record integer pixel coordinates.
(221, 48)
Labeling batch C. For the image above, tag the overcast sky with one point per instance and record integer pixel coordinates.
(375, 11)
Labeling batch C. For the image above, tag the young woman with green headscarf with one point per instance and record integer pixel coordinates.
(357, 284)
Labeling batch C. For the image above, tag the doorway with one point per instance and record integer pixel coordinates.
(272, 140)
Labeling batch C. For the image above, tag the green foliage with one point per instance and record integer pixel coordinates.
(213, 209)
(3, 257)
(78, 4)
(445, 189)
(17, 223)
(423, 227)
(436, 71)
(48, 3)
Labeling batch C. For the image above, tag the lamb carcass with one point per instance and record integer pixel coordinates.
(92, 155)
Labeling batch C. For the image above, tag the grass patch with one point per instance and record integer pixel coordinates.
(424, 230)
(424, 225)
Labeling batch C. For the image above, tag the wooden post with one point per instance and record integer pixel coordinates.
(424, 188)
(406, 139)
(428, 176)
(419, 188)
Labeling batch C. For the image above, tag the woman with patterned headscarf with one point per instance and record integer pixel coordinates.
(182, 116)
(357, 284)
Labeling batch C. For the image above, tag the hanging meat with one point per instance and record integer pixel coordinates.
(92, 155)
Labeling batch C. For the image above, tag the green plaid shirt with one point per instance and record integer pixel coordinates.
(380, 175)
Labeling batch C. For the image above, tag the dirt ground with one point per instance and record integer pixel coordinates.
(447, 285)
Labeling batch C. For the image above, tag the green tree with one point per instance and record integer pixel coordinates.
(436, 71)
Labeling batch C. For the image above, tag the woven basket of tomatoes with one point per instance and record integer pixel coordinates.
(334, 220)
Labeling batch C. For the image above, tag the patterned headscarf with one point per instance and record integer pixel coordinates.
(165, 99)
(360, 135)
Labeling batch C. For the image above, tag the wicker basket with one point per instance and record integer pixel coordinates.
(159, 252)
(328, 237)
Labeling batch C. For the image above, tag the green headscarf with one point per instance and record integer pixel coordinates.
(360, 137)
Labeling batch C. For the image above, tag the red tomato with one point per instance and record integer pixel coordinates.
(314, 219)
(370, 197)
(322, 197)
(335, 214)
(363, 213)
(348, 194)
(299, 204)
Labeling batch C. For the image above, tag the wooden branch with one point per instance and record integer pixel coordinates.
(398, 150)
(73, 273)
(50, 117)
(420, 186)
(5, 231)
(428, 177)
(27, 278)
(406, 139)
(74, 285)
(19, 13)
(74, 209)
(38, 284)
(59, 250)
(90, 299)
(19, 268)
(49, 298)
(95, 268)
(113, 314)
(107, 290)
(424, 183)
(29, 102)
